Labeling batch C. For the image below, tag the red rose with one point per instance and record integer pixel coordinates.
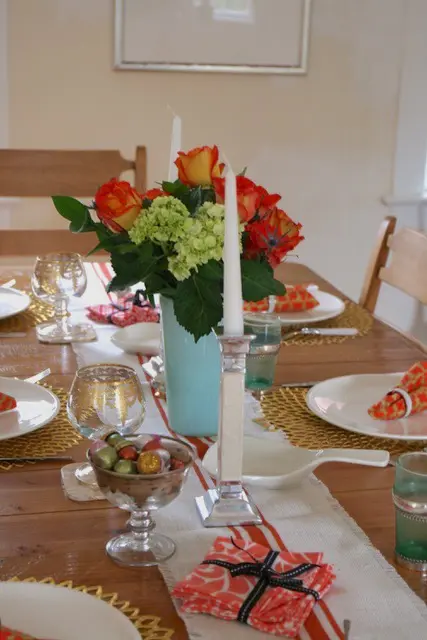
(267, 200)
(274, 236)
(199, 166)
(118, 205)
(248, 197)
(152, 194)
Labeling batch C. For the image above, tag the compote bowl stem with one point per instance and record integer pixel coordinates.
(141, 524)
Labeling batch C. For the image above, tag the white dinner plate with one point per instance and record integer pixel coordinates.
(344, 402)
(143, 337)
(48, 611)
(12, 302)
(36, 406)
(329, 307)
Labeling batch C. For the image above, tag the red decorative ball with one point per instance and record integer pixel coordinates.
(176, 464)
(153, 444)
(128, 453)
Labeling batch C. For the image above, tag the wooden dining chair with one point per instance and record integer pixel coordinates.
(42, 173)
(400, 260)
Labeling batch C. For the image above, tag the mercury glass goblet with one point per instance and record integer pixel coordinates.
(104, 398)
(140, 494)
(56, 278)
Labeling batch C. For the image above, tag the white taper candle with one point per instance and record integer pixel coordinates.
(233, 302)
(175, 147)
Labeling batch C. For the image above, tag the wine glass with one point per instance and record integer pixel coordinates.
(104, 398)
(57, 277)
(141, 494)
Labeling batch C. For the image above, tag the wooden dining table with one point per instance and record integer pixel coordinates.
(44, 534)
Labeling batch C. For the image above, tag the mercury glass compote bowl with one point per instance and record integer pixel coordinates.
(104, 398)
(140, 494)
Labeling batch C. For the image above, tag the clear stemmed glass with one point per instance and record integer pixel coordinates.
(56, 278)
(141, 495)
(104, 398)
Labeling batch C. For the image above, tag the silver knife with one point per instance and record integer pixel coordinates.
(293, 385)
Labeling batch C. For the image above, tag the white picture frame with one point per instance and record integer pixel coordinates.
(290, 54)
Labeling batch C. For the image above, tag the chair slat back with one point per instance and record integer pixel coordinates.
(36, 173)
(407, 268)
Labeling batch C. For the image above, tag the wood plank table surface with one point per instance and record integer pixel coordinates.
(43, 534)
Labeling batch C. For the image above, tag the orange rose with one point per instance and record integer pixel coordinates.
(117, 205)
(248, 198)
(199, 166)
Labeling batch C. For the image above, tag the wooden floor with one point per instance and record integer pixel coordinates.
(43, 534)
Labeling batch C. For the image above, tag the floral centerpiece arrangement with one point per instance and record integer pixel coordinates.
(171, 238)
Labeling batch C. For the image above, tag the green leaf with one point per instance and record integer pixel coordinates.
(212, 270)
(258, 281)
(176, 189)
(157, 283)
(192, 199)
(121, 281)
(76, 212)
(243, 172)
(198, 305)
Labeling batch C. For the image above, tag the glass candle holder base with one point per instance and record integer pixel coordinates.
(413, 565)
(132, 551)
(64, 333)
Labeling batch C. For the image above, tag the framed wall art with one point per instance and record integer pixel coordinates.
(235, 36)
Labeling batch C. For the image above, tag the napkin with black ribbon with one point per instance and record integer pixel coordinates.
(269, 590)
(128, 310)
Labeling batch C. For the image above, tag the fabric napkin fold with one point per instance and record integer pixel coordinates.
(297, 298)
(128, 310)
(407, 398)
(6, 403)
(269, 590)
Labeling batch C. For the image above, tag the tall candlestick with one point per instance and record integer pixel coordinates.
(233, 301)
(175, 147)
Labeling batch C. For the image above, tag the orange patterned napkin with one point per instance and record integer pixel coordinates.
(297, 298)
(245, 581)
(6, 404)
(409, 397)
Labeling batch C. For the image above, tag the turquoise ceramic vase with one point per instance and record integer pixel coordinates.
(192, 372)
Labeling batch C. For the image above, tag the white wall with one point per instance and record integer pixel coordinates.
(325, 141)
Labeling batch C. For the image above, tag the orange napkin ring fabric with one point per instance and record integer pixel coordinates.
(6, 404)
(409, 397)
(297, 298)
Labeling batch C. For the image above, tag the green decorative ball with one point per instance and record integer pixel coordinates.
(105, 458)
(125, 466)
(113, 438)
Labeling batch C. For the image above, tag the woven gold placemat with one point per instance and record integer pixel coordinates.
(285, 409)
(36, 313)
(149, 626)
(55, 437)
(354, 316)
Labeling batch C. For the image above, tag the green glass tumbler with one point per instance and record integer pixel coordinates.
(410, 500)
(264, 349)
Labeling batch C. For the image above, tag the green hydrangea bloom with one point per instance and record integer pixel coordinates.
(166, 220)
(203, 241)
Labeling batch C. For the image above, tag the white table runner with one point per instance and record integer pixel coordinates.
(367, 590)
